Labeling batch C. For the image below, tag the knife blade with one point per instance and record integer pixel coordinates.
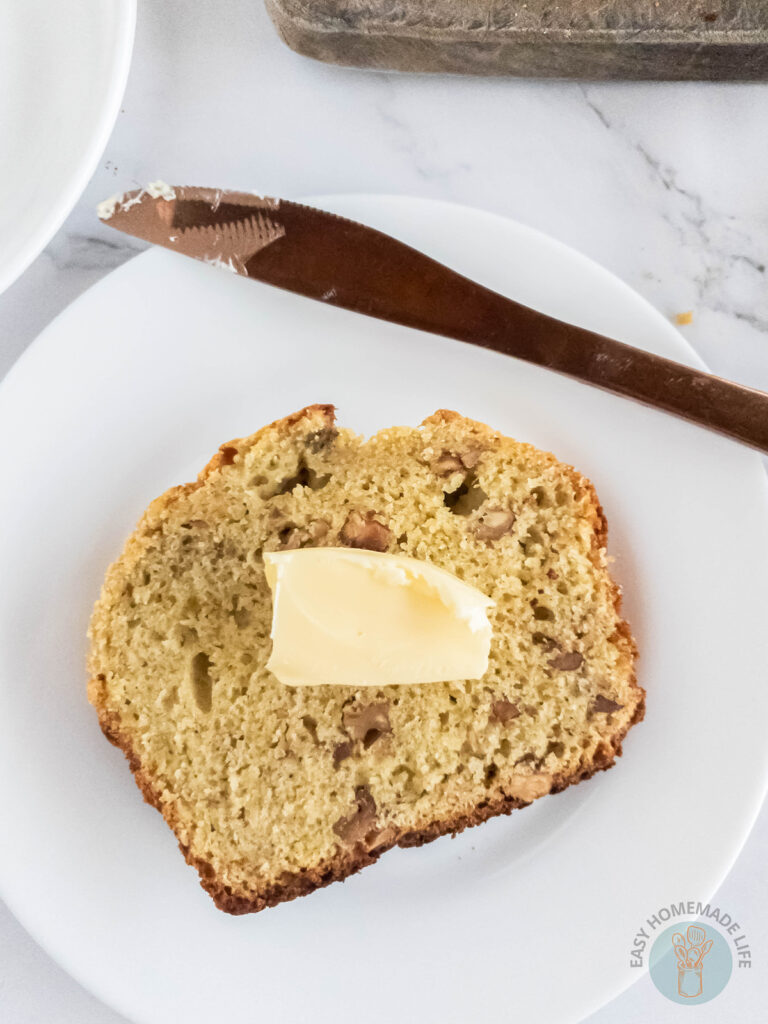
(329, 258)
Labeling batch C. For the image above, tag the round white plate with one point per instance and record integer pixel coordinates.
(530, 917)
(63, 68)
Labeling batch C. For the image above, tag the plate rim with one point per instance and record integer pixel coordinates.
(120, 62)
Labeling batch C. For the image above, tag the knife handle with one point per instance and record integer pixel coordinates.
(734, 410)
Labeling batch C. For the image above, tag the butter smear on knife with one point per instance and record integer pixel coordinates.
(154, 190)
(362, 618)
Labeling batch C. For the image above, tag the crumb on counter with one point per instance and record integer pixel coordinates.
(684, 318)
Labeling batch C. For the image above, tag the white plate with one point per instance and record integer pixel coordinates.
(63, 67)
(529, 917)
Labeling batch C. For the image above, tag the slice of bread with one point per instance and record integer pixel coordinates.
(274, 791)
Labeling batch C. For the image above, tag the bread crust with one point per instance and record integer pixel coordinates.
(349, 860)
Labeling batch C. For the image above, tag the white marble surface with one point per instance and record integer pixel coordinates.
(664, 185)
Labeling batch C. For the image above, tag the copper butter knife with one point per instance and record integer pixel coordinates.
(329, 258)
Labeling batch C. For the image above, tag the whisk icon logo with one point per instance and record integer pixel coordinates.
(690, 964)
(690, 959)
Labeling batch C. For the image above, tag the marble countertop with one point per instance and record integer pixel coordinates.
(662, 184)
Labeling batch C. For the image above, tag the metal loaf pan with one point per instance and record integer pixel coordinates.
(620, 39)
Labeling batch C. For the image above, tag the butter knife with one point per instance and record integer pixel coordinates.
(335, 260)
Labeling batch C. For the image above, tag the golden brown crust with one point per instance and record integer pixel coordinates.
(227, 452)
(347, 861)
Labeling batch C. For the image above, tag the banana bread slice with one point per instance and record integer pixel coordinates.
(273, 791)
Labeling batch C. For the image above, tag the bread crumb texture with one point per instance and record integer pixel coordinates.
(273, 791)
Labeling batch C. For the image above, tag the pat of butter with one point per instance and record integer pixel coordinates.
(360, 618)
